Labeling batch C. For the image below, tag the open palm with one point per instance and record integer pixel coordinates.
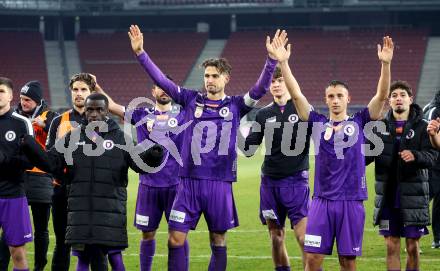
(385, 53)
(276, 48)
(136, 39)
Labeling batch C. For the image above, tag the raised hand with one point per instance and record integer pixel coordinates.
(433, 127)
(385, 53)
(277, 48)
(136, 39)
(97, 87)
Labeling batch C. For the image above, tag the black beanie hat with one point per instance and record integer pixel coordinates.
(33, 90)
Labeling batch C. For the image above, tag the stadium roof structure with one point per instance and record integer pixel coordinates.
(205, 7)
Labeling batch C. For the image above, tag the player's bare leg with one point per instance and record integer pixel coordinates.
(279, 251)
(314, 261)
(393, 252)
(18, 255)
(413, 251)
(347, 263)
(300, 231)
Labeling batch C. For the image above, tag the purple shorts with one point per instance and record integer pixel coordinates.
(285, 197)
(330, 219)
(15, 221)
(212, 198)
(390, 224)
(151, 203)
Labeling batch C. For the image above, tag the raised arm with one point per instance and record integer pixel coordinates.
(385, 54)
(113, 107)
(282, 54)
(137, 44)
(263, 83)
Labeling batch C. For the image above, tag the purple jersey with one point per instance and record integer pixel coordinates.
(158, 126)
(339, 161)
(210, 139)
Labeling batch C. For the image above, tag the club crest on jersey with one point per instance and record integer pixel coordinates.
(410, 134)
(328, 133)
(172, 122)
(108, 144)
(10, 135)
(349, 129)
(150, 124)
(198, 112)
(224, 112)
(293, 118)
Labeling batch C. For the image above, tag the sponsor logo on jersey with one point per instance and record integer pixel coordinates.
(384, 225)
(177, 216)
(269, 214)
(312, 240)
(142, 220)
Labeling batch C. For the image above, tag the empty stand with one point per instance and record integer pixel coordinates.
(22, 60)
(319, 56)
(110, 57)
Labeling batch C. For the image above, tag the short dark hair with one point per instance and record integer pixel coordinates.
(84, 77)
(334, 83)
(277, 73)
(402, 85)
(221, 64)
(167, 76)
(7, 82)
(98, 97)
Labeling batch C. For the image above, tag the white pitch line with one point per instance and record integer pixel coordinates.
(269, 257)
(230, 231)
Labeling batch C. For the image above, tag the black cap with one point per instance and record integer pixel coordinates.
(33, 90)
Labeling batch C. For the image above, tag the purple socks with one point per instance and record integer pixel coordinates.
(218, 259)
(116, 261)
(147, 251)
(177, 259)
(83, 264)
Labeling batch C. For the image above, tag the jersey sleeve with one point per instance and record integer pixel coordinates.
(262, 85)
(179, 94)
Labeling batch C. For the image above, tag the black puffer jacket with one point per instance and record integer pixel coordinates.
(38, 185)
(432, 111)
(411, 177)
(97, 193)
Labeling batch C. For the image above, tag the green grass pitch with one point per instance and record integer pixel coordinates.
(249, 244)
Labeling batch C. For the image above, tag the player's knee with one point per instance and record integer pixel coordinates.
(347, 262)
(176, 239)
(412, 247)
(148, 235)
(277, 236)
(218, 238)
(393, 245)
(18, 255)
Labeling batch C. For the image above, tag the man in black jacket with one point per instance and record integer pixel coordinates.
(38, 184)
(96, 159)
(401, 170)
(432, 112)
(284, 187)
(14, 211)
